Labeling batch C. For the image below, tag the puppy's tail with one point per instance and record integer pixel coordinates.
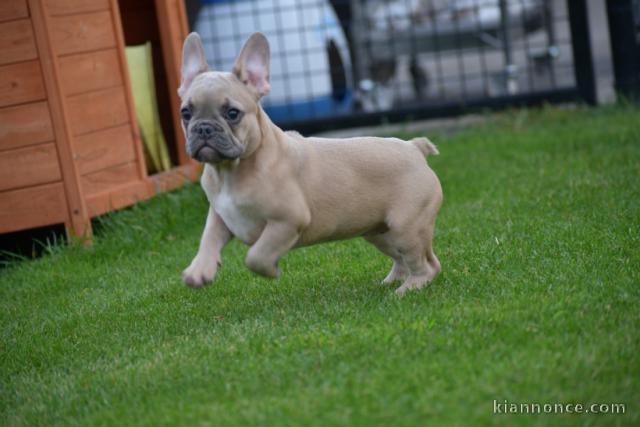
(427, 147)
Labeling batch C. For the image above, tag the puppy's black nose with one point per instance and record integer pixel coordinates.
(206, 130)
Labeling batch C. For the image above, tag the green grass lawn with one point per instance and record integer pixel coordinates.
(538, 301)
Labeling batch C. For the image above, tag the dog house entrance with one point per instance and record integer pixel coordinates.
(150, 63)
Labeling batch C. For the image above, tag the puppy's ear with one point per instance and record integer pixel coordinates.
(252, 65)
(193, 61)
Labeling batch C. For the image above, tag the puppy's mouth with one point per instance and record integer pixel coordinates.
(204, 152)
(207, 152)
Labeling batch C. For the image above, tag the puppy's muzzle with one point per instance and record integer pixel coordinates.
(208, 142)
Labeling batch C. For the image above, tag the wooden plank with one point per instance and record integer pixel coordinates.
(32, 207)
(108, 179)
(100, 150)
(17, 42)
(21, 83)
(29, 166)
(13, 9)
(82, 33)
(97, 110)
(119, 197)
(24, 125)
(85, 72)
(66, 7)
(77, 220)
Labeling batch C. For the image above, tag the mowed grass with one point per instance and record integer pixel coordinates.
(538, 301)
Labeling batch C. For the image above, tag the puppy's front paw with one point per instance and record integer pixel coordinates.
(199, 273)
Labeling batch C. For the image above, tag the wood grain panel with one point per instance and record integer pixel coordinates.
(17, 42)
(13, 9)
(97, 110)
(24, 125)
(65, 7)
(110, 178)
(100, 150)
(32, 207)
(21, 83)
(82, 33)
(25, 167)
(126, 195)
(84, 72)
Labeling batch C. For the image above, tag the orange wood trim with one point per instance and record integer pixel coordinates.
(124, 70)
(173, 26)
(77, 219)
(175, 178)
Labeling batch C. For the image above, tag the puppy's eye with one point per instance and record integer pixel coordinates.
(232, 114)
(186, 114)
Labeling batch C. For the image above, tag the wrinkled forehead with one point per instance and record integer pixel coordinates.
(212, 90)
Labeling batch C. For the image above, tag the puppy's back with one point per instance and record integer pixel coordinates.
(372, 153)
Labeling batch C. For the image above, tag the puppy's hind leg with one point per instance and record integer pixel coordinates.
(422, 262)
(407, 250)
(399, 271)
(420, 270)
(432, 260)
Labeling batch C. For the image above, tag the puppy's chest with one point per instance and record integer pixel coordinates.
(243, 221)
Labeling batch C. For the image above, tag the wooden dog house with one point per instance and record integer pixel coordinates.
(69, 142)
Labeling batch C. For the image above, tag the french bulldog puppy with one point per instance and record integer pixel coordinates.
(277, 190)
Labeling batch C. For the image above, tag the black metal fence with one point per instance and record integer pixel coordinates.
(624, 23)
(347, 62)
